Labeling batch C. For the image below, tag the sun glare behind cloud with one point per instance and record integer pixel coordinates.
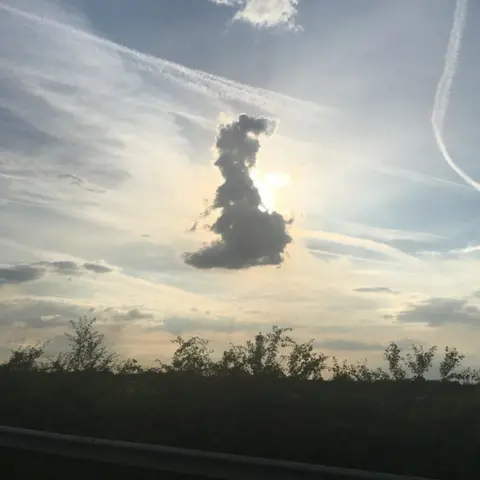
(268, 185)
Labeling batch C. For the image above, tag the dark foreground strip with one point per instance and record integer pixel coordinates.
(177, 460)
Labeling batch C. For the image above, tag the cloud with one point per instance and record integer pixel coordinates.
(375, 290)
(17, 274)
(348, 345)
(264, 13)
(249, 234)
(130, 315)
(97, 268)
(65, 267)
(20, 274)
(35, 313)
(437, 312)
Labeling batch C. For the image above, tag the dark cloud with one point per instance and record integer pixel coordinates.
(97, 268)
(130, 315)
(136, 314)
(65, 267)
(20, 274)
(375, 290)
(350, 345)
(441, 311)
(249, 235)
(17, 274)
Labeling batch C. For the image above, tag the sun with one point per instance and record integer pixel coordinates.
(268, 185)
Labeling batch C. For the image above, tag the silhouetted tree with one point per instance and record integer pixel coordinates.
(469, 376)
(262, 355)
(25, 358)
(304, 363)
(192, 355)
(341, 371)
(129, 366)
(450, 362)
(234, 360)
(420, 361)
(395, 361)
(361, 372)
(87, 350)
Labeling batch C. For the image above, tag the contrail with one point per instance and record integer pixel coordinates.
(444, 87)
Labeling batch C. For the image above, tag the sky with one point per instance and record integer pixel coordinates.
(111, 135)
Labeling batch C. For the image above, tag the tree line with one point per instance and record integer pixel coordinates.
(275, 354)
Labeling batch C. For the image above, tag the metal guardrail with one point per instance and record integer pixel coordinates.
(177, 460)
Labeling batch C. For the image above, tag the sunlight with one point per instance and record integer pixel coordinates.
(268, 185)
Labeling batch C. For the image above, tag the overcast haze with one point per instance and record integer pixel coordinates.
(109, 113)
